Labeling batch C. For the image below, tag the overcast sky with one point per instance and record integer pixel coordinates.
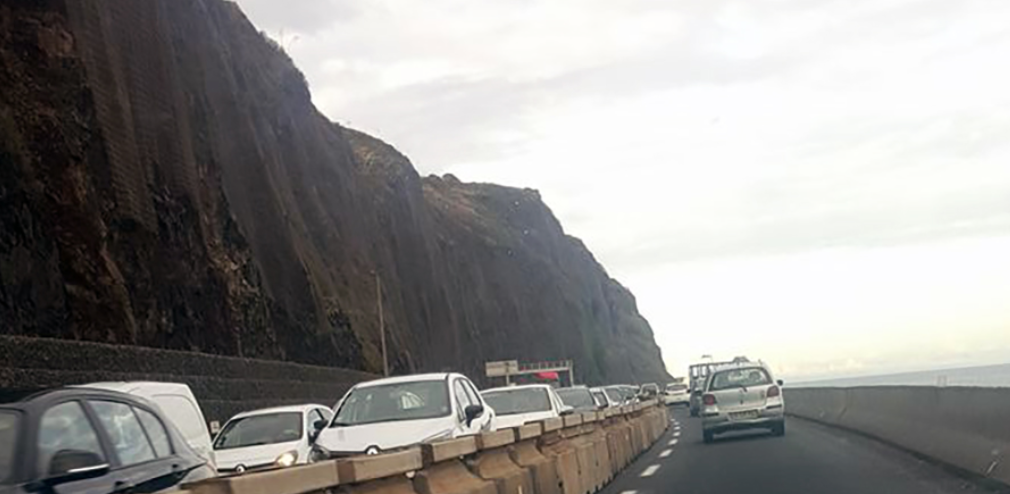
(822, 184)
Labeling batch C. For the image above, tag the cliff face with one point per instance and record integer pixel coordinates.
(165, 181)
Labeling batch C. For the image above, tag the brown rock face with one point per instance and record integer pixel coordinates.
(165, 181)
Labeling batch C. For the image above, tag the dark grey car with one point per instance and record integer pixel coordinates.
(78, 440)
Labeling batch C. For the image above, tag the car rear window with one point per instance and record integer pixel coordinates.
(9, 423)
(577, 398)
(515, 401)
(739, 378)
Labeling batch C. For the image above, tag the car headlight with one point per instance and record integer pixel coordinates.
(286, 459)
(372, 450)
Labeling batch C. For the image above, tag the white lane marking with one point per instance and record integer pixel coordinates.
(649, 471)
(676, 433)
(673, 442)
(666, 452)
(629, 492)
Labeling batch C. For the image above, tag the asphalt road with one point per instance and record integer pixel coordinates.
(810, 459)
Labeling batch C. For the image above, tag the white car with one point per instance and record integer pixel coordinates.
(516, 405)
(177, 402)
(602, 397)
(271, 437)
(677, 394)
(397, 412)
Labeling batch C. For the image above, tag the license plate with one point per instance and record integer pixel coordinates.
(748, 415)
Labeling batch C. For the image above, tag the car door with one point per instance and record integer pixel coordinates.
(485, 419)
(144, 458)
(462, 401)
(64, 428)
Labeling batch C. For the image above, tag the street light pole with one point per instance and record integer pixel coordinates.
(382, 324)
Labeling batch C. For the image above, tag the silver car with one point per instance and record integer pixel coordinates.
(744, 396)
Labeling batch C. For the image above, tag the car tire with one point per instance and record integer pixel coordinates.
(779, 429)
(708, 436)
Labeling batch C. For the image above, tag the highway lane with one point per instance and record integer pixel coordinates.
(810, 459)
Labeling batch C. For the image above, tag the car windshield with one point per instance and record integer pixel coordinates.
(514, 401)
(600, 397)
(577, 398)
(676, 388)
(9, 422)
(258, 430)
(739, 378)
(389, 402)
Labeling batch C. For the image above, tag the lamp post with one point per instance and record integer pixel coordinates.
(382, 323)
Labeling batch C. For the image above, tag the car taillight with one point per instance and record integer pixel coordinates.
(708, 400)
(773, 391)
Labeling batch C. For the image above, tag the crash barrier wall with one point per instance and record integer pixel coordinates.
(572, 455)
(224, 386)
(968, 428)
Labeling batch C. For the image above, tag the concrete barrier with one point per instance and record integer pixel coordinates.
(494, 463)
(526, 454)
(967, 428)
(380, 474)
(578, 454)
(444, 471)
(294, 480)
(555, 444)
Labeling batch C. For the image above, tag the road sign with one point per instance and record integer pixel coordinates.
(501, 368)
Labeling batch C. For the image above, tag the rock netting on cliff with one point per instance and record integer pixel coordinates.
(167, 182)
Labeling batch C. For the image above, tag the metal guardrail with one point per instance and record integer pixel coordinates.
(545, 366)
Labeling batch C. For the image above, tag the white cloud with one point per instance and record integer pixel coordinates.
(692, 144)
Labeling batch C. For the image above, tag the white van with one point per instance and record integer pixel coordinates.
(177, 402)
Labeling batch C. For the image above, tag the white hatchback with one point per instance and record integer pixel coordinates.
(271, 437)
(518, 405)
(397, 412)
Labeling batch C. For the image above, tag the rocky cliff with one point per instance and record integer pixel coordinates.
(165, 181)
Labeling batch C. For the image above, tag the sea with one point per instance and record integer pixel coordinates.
(988, 376)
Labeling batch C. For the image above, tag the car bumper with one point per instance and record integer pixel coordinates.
(722, 421)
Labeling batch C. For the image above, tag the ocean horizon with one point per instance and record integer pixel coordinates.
(985, 376)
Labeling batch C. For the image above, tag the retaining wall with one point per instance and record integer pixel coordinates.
(547, 457)
(224, 386)
(968, 428)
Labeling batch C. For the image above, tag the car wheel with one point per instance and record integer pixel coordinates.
(708, 436)
(779, 429)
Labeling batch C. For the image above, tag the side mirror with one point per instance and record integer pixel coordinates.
(71, 465)
(317, 427)
(472, 412)
(779, 381)
(567, 410)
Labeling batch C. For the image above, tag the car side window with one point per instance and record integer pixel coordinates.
(156, 432)
(462, 399)
(326, 413)
(64, 432)
(125, 432)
